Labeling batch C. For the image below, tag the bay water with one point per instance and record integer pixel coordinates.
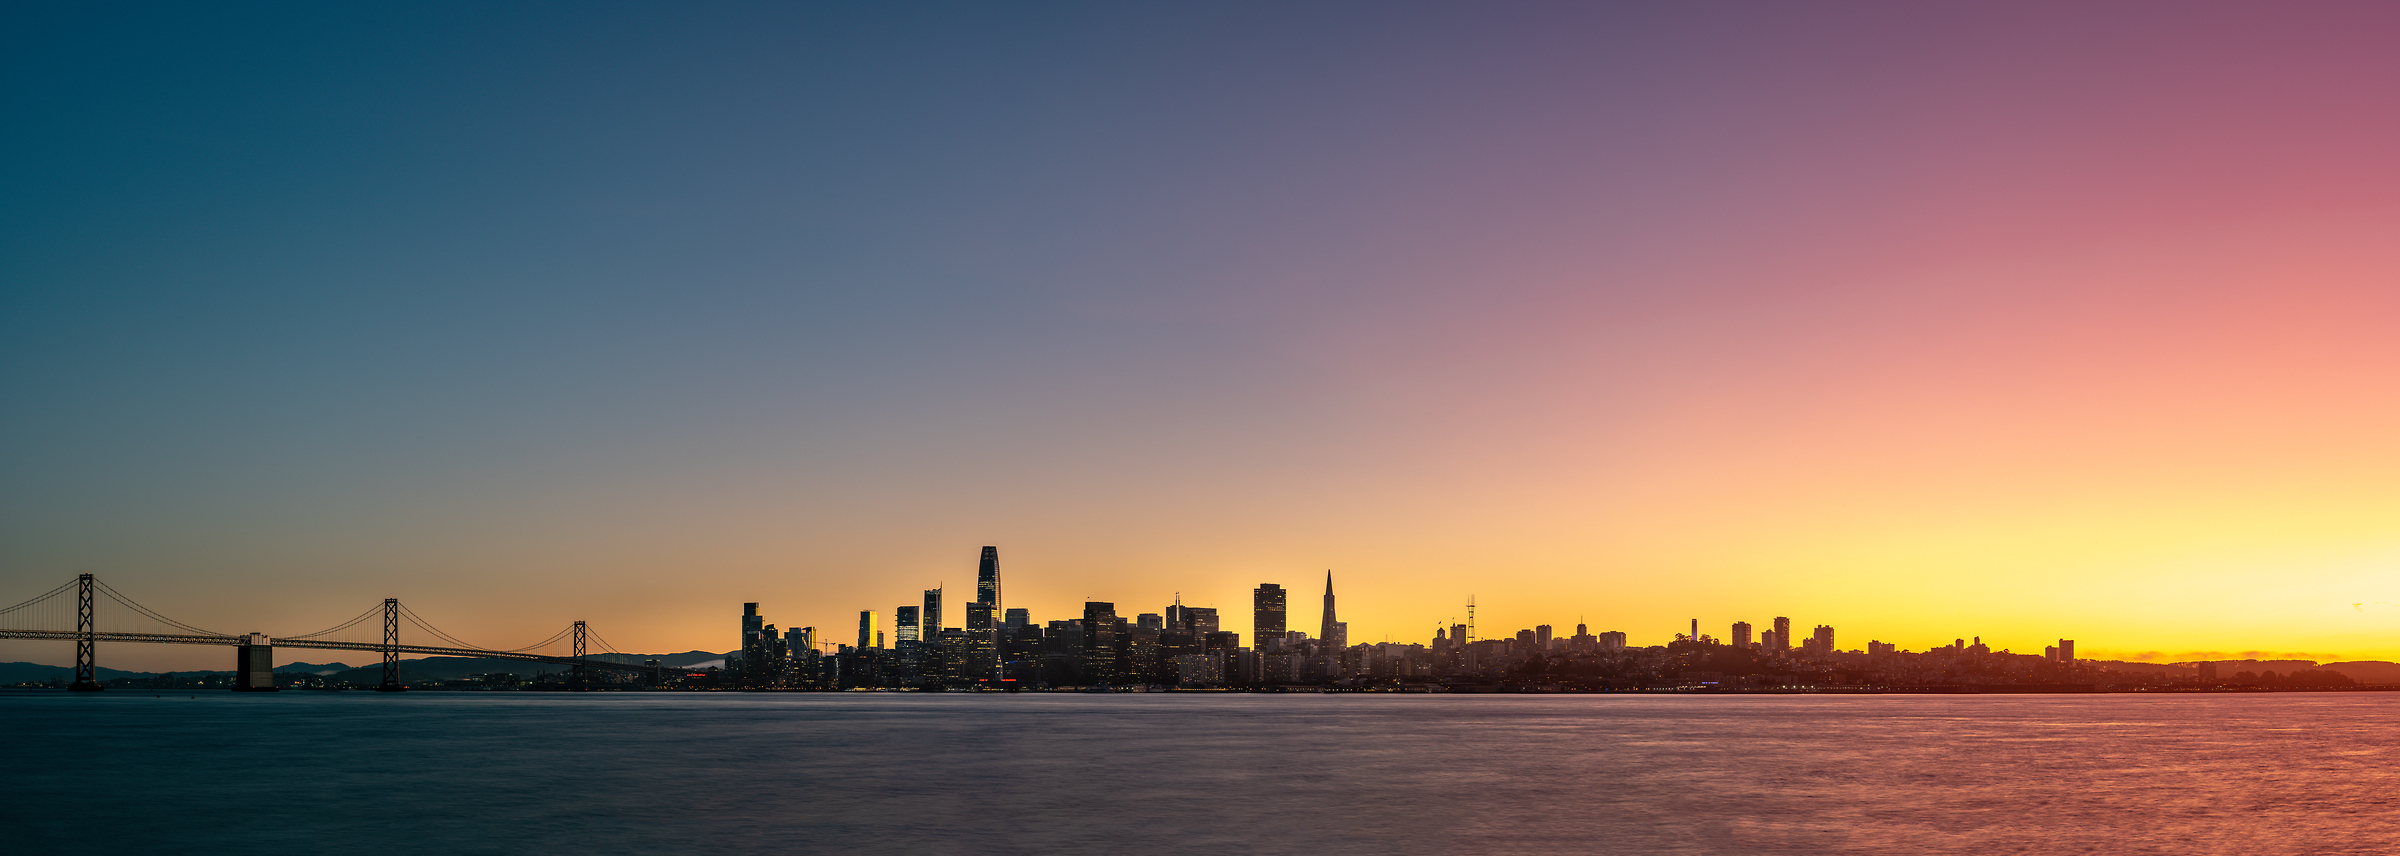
(513, 773)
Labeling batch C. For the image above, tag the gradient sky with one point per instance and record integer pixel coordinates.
(2024, 321)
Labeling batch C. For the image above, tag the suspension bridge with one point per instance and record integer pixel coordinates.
(103, 614)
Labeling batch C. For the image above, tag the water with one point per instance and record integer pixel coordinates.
(1223, 774)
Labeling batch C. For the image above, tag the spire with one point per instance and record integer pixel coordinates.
(1328, 580)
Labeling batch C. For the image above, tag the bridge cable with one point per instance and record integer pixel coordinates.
(420, 621)
(428, 627)
(120, 597)
(45, 596)
(371, 611)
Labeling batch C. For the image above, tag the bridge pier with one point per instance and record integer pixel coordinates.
(84, 653)
(254, 666)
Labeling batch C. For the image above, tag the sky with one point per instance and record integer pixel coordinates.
(2021, 322)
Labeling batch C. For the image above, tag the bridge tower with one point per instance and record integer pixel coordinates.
(83, 636)
(391, 647)
(583, 673)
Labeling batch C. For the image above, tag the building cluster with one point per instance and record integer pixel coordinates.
(1182, 646)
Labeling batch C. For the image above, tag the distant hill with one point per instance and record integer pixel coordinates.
(2367, 671)
(17, 673)
(315, 669)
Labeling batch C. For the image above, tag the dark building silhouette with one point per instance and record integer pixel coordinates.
(1102, 630)
(930, 621)
(1325, 626)
(987, 592)
(1783, 635)
(1266, 614)
(1741, 634)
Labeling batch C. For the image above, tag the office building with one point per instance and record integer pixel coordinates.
(987, 578)
(904, 620)
(929, 622)
(1741, 634)
(1017, 619)
(1150, 621)
(866, 628)
(1266, 614)
(1100, 634)
(987, 592)
(1541, 636)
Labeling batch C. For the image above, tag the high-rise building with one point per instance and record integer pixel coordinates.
(1823, 639)
(866, 628)
(929, 622)
(1612, 640)
(1100, 626)
(983, 657)
(1741, 634)
(987, 578)
(2066, 650)
(1150, 621)
(754, 647)
(1341, 636)
(987, 592)
(904, 624)
(1325, 626)
(1541, 636)
(1783, 635)
(1201, 619)
(1016, 620)
(1266, 613)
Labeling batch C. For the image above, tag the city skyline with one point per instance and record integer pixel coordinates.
(2025, 322)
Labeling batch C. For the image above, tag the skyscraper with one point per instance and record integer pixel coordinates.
(1325, 627)
(1014, 620)
(1266, 613)
(1741, 634)
(930, 621)
(1783, 635)
(904, 621)
(1822, 640)
(2066, 650)
(987, 578)
(1202, 619)
(866, 629)
(1100, 625)
(987, 592)
(982, 657)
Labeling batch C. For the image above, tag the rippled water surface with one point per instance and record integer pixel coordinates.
(1228, 774)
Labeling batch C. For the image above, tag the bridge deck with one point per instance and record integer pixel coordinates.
(377, 647)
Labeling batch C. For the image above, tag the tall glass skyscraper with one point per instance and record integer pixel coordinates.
(987, 592)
